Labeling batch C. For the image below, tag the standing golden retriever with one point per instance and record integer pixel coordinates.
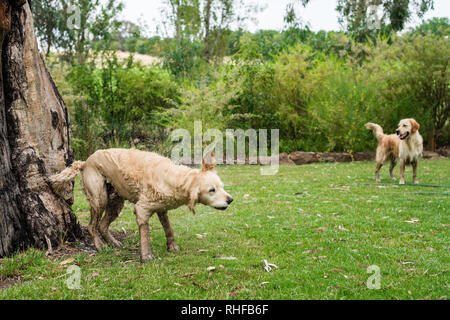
(153, 183)
(406, 146)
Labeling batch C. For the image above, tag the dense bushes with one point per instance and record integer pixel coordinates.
(317, 88)
(118, 104)
(320, 101)
(416, 76)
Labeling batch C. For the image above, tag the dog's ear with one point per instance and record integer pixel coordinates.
(415, 126)
(208, 161)
(193, 199)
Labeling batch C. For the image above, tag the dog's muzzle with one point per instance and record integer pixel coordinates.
(403, 136)
(229, 201)
(221, 208)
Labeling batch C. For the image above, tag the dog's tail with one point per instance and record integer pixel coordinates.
(60, 180)
(377, 130)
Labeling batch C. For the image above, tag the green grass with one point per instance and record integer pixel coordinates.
(322, 225)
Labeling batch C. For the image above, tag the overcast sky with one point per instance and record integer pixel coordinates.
(319, 14)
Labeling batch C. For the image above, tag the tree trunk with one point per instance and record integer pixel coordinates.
(207, 22)
(432, 138)
(34, 140)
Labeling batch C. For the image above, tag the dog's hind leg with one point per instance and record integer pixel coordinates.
(377, 171)
(170, 236)
(142, 216)
(381, 159)
(113, 208)
(391, 169)
(95, 188)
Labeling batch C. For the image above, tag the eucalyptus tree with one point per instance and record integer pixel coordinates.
(366, 18)
(34, 140)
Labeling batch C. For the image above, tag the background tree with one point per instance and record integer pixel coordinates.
(182, 17)
(362, 19)
(47, 14)
(182, 22)
(75, 27)
(218, 15)
(34, 140)
(438, 26)
(127, 36)
(202, 30)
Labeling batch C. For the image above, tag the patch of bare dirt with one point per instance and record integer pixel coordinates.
(9, 281)
(145, 59)
(432, 155)
(83, 245)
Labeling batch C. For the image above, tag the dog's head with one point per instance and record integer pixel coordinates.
(406, 127)
(207, 187)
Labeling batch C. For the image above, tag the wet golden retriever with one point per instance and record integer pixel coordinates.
(153, 183)
(405, 146)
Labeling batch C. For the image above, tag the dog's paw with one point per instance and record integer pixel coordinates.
(416, 182)
(147, 258)
(401, 182)
(393, 178)
(173, 247)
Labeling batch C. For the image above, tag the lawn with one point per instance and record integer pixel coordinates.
(322, 225)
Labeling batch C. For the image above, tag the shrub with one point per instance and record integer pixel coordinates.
(116, 104)
(413, 76)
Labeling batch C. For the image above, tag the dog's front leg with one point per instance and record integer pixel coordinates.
(142, 216)
(402, 171)
(164, 219)
(414, 165)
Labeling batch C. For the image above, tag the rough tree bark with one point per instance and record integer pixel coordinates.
(207, 22)
(34, 140)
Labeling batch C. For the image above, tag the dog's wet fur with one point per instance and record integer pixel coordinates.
(153, 183)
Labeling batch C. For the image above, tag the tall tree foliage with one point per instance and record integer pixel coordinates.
(437, 26)
(365, 18)
(218, 15)
(182, 18)
(75, 26)
(207, 22)
(47, 14)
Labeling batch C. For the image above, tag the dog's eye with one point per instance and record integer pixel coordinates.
(404, 125)
(212, 190)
